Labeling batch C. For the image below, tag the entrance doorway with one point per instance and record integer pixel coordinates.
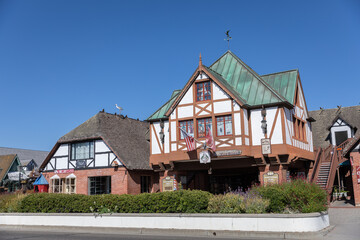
(222, 181)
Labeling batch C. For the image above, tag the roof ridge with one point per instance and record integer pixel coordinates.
(259, 78)
(334, 108)
(280, 72)
(24, 149)
(119, 115)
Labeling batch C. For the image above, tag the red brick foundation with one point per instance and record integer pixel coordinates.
(119, 179)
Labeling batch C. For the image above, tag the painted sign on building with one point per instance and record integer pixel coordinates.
(358, 173)
(64, 171)
(227, 153)
(271, 178)
(168, 184)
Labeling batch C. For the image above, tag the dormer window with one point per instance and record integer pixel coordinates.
(203, 91)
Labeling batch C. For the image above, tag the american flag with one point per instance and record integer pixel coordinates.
(189, 140)
(210, 140)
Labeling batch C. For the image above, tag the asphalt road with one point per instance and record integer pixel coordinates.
(41, 235)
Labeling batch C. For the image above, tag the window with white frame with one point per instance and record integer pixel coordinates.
(70, 186)
(63, 185)
(56, 185)
(82, 150)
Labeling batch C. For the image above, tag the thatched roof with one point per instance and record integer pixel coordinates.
(125, 136)
(325, 118)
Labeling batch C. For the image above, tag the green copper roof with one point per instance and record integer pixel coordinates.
(245, 84)
(245, 81)
(284, 83)
(160, 113)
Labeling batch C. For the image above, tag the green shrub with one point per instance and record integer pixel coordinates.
(254, 203)
(238, 203)
(297, 196)
(185, 201)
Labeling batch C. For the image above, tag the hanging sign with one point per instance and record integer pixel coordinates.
(271, 178)
(358, 173)
(265, 146)
(205, 157)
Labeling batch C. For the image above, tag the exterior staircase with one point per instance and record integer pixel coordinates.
(326, 163)
(323, 175)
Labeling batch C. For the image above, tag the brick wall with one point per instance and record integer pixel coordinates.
(119, 179)
(356, 185)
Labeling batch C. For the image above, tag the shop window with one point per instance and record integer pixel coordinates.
(204, 126)
(63, 185)
(99, 185)
(82, 150)
(224, 126)
(203, 91)
(70, 185)
(57, 185)
(187, 126)
(145, 184)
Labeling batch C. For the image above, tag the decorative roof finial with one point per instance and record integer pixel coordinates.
(200, 61)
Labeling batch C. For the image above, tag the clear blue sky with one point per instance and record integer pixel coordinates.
(63, 61)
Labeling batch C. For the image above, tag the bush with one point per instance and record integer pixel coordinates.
(10, 202)
(185, 201)
(249, 202)
(297, 196)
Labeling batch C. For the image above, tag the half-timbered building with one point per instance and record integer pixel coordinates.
(260, 126)
(336, 141)
(108, 153)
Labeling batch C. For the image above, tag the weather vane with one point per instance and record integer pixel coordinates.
(228, 38)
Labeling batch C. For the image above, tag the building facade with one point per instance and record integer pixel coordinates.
(108, 153)
(337, 129)
(260, 126)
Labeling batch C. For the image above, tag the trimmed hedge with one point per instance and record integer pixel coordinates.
(185, 201)
(297, 196)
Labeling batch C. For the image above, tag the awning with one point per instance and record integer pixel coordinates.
(71, 176)
(346, 163)
(55, 177)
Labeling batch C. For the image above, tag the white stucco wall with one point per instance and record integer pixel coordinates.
(188, 97)
(310, 222)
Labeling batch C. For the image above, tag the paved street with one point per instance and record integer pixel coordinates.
(345, 220)
(40, 235)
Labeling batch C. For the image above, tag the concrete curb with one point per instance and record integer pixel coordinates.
(173, 232)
